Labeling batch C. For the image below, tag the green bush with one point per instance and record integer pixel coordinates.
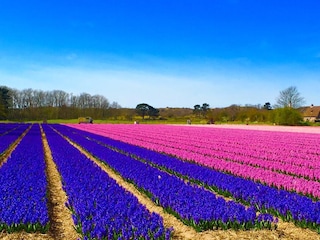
(287, 116)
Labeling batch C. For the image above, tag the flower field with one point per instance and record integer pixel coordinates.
(23, 187)
(206, 180)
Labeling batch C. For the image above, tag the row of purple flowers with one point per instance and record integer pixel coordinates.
(7, 127)
(289, 206)
(101, 208)
(194, 205)
(9, 133)
(23, 202)
(185, 143)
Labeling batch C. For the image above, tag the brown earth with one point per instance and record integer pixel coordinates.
(284, 231)
(62, 225)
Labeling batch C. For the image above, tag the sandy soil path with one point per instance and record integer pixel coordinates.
(284, 231)
(62, 225)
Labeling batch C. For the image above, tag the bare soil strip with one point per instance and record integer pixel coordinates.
(4, 157)
(62, 226)
(61, 223)
(181, 230)
(25, 236)
(284, 231)
(20, 235)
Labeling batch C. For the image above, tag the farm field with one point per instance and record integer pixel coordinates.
(117, 181)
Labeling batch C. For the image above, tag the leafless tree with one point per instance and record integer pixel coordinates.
(39, 98)
(290, 97)
(115, 105)
(29, 104)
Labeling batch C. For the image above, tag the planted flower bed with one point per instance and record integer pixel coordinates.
(287, 205)
(178, 185)
(7, 127)
(172, 140)
(101, 208)
(23, 202)
(194, 205)
(10, 133)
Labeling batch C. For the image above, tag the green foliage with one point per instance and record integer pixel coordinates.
(287, 116)
(197, 109)
(144, 109)
(153, 112)
(29, 228)
(2, 111)
(201, 110)
(4, 102)
(267, 106)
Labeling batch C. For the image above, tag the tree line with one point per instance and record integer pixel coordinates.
(286, 111)
(253, 113)
(30, 104)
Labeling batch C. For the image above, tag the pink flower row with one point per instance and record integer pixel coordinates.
(231, 150)
(245, 152)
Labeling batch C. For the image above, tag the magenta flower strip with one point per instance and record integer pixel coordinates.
(194, 205)
(289, 206)
(171, 140)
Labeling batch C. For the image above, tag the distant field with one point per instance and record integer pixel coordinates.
(301, 129)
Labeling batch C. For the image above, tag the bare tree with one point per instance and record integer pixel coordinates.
(115, 105)
(290, 97)
(85, 100)
(39, 98)
(30, 104)
(99, 101)
(27, 97)
(49, 99)
(16, 98)
(73, 101)
(57, 98)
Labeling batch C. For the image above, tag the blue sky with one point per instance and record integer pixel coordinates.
(168, 53)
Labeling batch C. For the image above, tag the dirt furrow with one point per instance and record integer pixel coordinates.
(284, 231)
(62, 226)
(20, 235)
(181, 230)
